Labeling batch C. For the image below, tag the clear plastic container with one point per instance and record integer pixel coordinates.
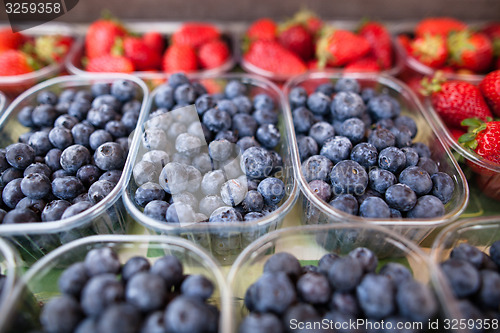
(16, 84)
(3, 101)
(480, 232)
(9, 266)
(108, 216)
(309, 243)
(77, 54)
(317, 211)
(487, 172)
(226, 240)
(39, 284)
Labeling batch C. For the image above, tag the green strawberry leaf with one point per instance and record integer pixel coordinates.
(467, 137)
(471, 122)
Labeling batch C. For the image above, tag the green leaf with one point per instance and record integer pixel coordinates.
(471, 122)
(466, 138)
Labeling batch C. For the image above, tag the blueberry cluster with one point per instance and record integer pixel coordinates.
(474, 278)
(338, 289)
(213, 162)
(357, 153)
(102, 296)
(73, 155)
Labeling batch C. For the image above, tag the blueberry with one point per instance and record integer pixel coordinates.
(180, 212)
(256, 162)
(252, 216)
(36, 205)
(396, 214)
(24, 116)
(101, 261)
(233, 192)
(44, 115)
(225, 215)
(25, 137)
(119, 318)
(243, 104)
(283, 262)
(156, 139)
(489, 294)
(12, 193)
(463, 277)
(146, 291)
(495, 252)
(79, 109)
(422, 149)
(35, 185)
(73, 279)
(337, 149)
(347, 84)
(100, 190)
(381, 138)
(321, 132)
(263, 102)
(66, 121)
(10, 174)
(366, 257)
(392, 159)
(81, 133)
(353, 129)
(188, 144)
(268, 135)
(348, 177)
(443, 186)
(411, 156)
(129, 121)
(396, 272)
(428, 165)
(174, 178)
(99, 117)
(318, 103)
(317, 167)
(314, 288)
(234, 88)
(376, 296)
(133, 266)
(326, 88)
(100, 292)
(217, 120)
(274, 292)
(345, 303)
(298, 97)
(204, 103)
(54, 210)
(382, 107)
(186, 314)
(185, 197)
(367, 94)
(109, 101)
(346, 203)
(20, 155)
(177, 79)
(100, 88)
(345, 274)
(113, 176)
(365, 154)
(60, 137)
(380, 180)
(109, 156)
(220, 150)
(20, 216)
(74, 157)
(117, 129)
(347, 105)
(88, 174)
(40, 142)
(386, 123)
(244, 125)
(170, 269)
(197, 286)
(416, 301)
(84, 197)
(272, 190)
(417, 179)
(157, 209)
(266, 117)
(244, 143)
(154, 323)
(408, 122)
(148, 192)
(374, 207)
(61, 314)
(400, 197)
(307, 147)
(4, 165)
(231, 136)
(157, 157)
(402, 135)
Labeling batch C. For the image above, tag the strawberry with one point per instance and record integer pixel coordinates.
(179, 58)
(297, 39)
(456, 101)
(339, 47)
(380, 42)
(309, 20)
(52, 48)
(142, 56)
(367, 64)
(438, 26)
(195, 34)
(15, 62)
(490, 88)
(213, 54)
(483, 138)
(262, 29)
(111, 64)
(492, 30)
(430, 50)
(272, 57)
(456, 133)
(405, 42)
(10, 40)
(154, 40)
(101, 37)
(470, 50)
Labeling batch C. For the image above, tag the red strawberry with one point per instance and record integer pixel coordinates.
(142, 56)
(380, 41)
(339, 47)
(309, 19)
(483, 138)
(492, 30)
(262, 29)
(438, 26)
(297, 39)
(15, 62)
(10, 40)
(470, 51)
(367, 64)
(455, 101)
(430, 50)
(179, 58)
(456, 133)
(405, 42)
(213, 54)
(111, 64)
(101, 37)
(272, 57)
(490, 88)
(154, 40)
(195, 34)
(52, 48)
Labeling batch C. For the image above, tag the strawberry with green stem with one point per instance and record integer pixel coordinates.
(470, 50)
(295, 37)
(442, 26)
(16, 62)
(430, 50)
(483, 138)
(380, 42)
(52, 48)
(338, 47)
(101, 37)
